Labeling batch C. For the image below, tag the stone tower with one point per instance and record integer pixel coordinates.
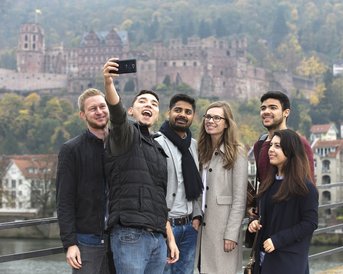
(31, 48)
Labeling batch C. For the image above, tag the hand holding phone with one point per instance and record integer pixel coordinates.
(125, 66)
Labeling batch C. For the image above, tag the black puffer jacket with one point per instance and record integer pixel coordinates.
(138, 183)
(136, 172)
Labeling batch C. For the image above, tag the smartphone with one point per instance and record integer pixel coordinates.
(125, 66)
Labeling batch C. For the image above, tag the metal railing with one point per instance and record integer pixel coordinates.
(29, 254)
(57, 250)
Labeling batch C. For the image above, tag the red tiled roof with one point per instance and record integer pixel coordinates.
(320, 128)
(37, 163)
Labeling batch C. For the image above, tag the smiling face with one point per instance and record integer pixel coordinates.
(145, 109)
(181, 116)
(276, 155)
(215, 129)
(96, 112)
(272, 115)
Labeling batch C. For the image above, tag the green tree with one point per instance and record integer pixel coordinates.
(8, 60)
(336, 101)
(204, 29)
(280, 28)
(321, 114)
(219, 28)
(167, 81)
(74, 125)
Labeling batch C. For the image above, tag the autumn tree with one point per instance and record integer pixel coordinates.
(43, 190)
(311, 66)
(35, 124)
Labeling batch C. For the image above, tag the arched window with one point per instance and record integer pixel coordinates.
(326, 180)
(326, 166)
(326, 198)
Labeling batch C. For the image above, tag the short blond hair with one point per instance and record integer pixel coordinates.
(90, 92)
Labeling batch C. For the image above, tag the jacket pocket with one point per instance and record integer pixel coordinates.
(224, 200)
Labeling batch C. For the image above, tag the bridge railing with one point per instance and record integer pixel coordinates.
(57, 250)
(34, 253)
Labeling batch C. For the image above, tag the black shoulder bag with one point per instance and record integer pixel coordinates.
(248, 269)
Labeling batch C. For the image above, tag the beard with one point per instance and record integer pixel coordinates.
(275, 125)
(179, 128)
(95, 125)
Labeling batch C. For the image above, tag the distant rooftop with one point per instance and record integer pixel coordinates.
(324, 128)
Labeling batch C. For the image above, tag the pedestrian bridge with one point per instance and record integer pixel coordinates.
(336, 228)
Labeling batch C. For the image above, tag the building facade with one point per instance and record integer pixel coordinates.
(28, 183)
(211, 67)
(328, 156)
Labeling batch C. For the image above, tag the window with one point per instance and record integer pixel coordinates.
(326, 198)
(13, 183)
(35, 194)
(252, 169)
(326, 166)
(326, 180)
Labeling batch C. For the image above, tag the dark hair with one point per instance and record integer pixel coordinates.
(181, 97)
(145, 91)
(296, 168)
(278, 95)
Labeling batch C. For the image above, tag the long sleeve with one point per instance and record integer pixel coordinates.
(307, 224)
(65, 196)
(121, 133)
(239, 186)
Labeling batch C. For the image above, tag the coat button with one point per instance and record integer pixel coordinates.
(210, 170)
(205, 206)
(216, 153)
(174, 194)
(204, 224)
(207, 188)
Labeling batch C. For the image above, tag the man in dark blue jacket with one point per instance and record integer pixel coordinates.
(81, 189)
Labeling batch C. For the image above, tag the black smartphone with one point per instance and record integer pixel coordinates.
(125, 66)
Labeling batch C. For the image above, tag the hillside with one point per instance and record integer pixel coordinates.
(280, 33)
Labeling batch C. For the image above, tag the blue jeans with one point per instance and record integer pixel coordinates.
(186, 240)
(138, 251)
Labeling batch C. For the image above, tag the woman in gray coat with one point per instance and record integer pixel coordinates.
(224, 169)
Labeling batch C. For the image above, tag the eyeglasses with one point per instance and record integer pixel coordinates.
(215, 118)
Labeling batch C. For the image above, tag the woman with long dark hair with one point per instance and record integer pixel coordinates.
(288, 204)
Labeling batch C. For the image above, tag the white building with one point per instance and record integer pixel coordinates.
(328, 156)
(323, 132)
(337, 69)
(27, 182)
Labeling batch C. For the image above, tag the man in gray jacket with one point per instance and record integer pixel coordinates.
(184, 181)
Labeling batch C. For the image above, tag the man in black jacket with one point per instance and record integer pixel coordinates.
(136, 169)
(81, 189)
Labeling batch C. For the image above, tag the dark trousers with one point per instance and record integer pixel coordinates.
(96, 259)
